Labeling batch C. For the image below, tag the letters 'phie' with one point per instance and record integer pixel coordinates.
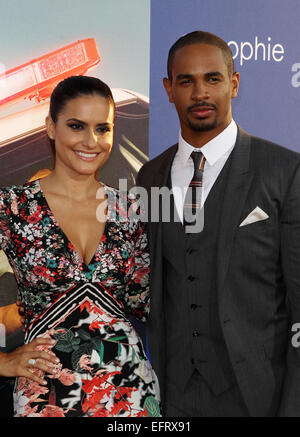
(258, 50)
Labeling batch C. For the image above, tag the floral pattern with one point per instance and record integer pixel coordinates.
(103, 368)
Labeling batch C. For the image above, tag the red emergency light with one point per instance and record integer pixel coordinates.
(37, 78)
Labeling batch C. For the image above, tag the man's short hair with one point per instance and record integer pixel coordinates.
(201, 37)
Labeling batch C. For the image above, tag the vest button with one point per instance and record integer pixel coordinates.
(191, 278)
(242, 360)
(189, 250)
(196, 334)
(226, 321)
(194, 306)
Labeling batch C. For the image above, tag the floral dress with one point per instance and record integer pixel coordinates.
(103, 369)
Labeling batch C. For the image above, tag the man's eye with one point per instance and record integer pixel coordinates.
(214, 79)
(185, 82)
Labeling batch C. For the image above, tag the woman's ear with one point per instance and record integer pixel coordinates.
(50, 127)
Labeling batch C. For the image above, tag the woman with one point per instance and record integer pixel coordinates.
(79, 272)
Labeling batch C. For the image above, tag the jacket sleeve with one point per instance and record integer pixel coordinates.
(290, 259)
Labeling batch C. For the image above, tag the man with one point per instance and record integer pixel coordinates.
(223, 300)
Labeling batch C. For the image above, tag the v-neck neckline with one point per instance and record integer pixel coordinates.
(71, 246)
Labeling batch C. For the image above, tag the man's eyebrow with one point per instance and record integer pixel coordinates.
(214, 73)
(184, 76)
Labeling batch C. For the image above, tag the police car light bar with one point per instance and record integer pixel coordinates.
(37, 78)
(31, 120)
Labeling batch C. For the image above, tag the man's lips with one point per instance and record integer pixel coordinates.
(201, 110)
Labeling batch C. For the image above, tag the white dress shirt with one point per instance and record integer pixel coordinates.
(216, 153)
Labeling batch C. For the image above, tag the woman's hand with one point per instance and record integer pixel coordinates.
(26, 359)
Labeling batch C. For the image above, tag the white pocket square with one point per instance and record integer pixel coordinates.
(255, 216)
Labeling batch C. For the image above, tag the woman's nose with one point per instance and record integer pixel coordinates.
(91, 139)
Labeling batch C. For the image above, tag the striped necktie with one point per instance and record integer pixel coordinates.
(192, 202)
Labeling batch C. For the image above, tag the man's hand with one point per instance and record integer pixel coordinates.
(10, 318)
(21, 311)
(32, 361)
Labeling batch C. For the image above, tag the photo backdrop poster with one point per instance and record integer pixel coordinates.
(44, 41)
(264, 37)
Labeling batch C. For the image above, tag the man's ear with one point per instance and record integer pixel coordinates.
(168, 87)
(50, 127)
(235, 80)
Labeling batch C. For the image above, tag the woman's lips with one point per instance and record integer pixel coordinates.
(85, 156)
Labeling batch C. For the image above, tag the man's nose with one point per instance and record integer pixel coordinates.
(200, 91)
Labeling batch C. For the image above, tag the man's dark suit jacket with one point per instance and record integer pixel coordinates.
(258, 273)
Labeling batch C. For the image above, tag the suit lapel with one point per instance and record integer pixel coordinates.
(161, 178)
(238, 184)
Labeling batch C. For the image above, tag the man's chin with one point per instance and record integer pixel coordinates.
(202, 125)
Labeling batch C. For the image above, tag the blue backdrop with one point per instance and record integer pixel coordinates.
(264, 36)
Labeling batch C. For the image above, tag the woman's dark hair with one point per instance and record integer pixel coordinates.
(73, 87)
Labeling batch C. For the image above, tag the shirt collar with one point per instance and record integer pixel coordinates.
(214, 149)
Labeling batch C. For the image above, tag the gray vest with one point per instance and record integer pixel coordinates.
(194, 339)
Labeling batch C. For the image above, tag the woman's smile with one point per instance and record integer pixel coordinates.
(86, 156)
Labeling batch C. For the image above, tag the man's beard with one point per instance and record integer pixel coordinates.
(202, 125)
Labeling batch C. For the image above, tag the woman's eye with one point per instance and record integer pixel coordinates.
(99, 130)
(75, 126)
(103, 129)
